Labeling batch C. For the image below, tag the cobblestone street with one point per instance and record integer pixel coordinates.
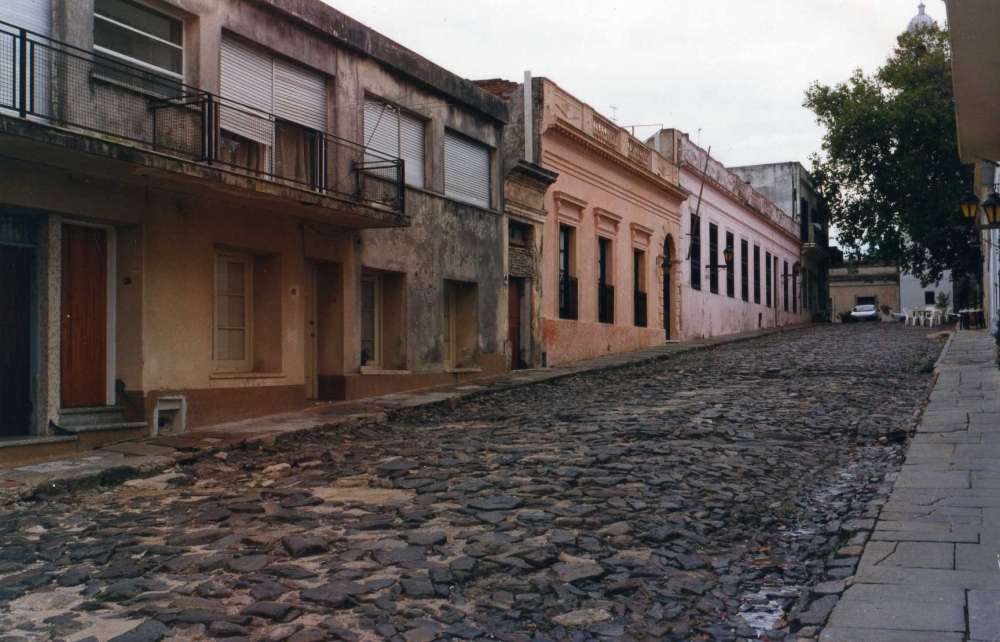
(712, 495)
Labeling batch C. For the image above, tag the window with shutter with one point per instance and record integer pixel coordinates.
(397, 134)
(466, 170)
(381, 128)
(411, 148)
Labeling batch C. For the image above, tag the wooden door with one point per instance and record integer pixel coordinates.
(84, 347)
(514, 322)
(15, 334)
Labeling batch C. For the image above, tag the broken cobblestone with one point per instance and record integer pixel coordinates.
(700, 496)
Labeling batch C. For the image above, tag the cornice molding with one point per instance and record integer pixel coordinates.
(569, 209)
(578, 137)
(607, 222)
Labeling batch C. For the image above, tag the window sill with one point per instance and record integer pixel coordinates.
(247, 375)
(376, 370)
(462, 370)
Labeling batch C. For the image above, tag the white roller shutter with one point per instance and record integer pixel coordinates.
(33, 15)
(411, 148)
(246, 78)
(381, 128)
(36, 16)
(466, 170)
(299, 95)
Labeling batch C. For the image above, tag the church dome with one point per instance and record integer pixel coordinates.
(921, 20)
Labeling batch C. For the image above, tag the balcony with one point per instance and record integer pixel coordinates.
(57, 94)
(605, 302)
(568, 297)
(640, 309)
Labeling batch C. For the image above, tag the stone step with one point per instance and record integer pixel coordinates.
(76, 429)
(91, 415)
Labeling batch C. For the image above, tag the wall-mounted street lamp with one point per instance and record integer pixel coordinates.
(796, 271)
(990, 207)
(727, 255)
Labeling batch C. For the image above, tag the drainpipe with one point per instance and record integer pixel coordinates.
(529, 142)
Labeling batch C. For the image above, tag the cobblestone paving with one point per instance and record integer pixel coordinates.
(709, 496)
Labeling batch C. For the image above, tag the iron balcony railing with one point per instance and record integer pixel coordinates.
(48, 81)
(567, 297)
(640, 309)
(605, 302)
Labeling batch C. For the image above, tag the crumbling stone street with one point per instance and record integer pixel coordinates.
(714, 495)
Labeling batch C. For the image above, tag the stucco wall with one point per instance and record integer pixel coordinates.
(705, 314)
(590, 193)
(911, 291)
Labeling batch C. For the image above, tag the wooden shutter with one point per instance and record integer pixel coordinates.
(381, 128)
(466, 170)
(299, 95)
(411, 148)
(247, 79)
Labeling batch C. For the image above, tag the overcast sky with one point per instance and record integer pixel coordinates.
(736, 69)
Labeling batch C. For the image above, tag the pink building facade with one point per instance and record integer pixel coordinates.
(612, 211)
(759, 288)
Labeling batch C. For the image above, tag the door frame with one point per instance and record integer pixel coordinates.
(112, 316)
(38, 404)
(311, 330)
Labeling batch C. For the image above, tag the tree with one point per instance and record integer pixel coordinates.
(890, 170)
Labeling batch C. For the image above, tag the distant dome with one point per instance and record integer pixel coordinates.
(921, 20)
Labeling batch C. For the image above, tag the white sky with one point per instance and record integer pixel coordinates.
(736, 69)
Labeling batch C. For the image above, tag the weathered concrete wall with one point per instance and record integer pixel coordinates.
(170, 227)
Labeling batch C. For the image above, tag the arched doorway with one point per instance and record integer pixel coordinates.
(667, 266)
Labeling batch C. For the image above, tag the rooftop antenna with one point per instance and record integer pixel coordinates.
(698, 142)
(614, 113)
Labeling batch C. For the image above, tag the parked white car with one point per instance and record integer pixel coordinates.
(865, 313)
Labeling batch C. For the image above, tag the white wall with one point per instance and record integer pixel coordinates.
(911, 292)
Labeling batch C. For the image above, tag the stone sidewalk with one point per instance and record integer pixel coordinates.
(930, 572)
(117, 463)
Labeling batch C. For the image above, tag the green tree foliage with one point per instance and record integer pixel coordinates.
(890, 170)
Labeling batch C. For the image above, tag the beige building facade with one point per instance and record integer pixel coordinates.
(271, 205)
(853, 285)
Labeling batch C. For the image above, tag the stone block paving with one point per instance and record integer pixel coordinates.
(720, 495)
(932, 570)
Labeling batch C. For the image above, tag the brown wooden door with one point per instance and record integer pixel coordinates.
(514, 322)
(15, 335)
(84, 335)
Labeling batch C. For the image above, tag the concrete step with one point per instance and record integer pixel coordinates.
(91, 416)
(76, 429)
(16, 451)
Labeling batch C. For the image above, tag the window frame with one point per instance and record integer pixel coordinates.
(376, 281)
(491, 152)
(769, 275)
(166, 12)
(713, 262)
(931, 295)
(756, 274)
(745, 270)
(234, 365)
(695, 252)
(784, 282)
(730, 268)
(450, 309)
(399, 112)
